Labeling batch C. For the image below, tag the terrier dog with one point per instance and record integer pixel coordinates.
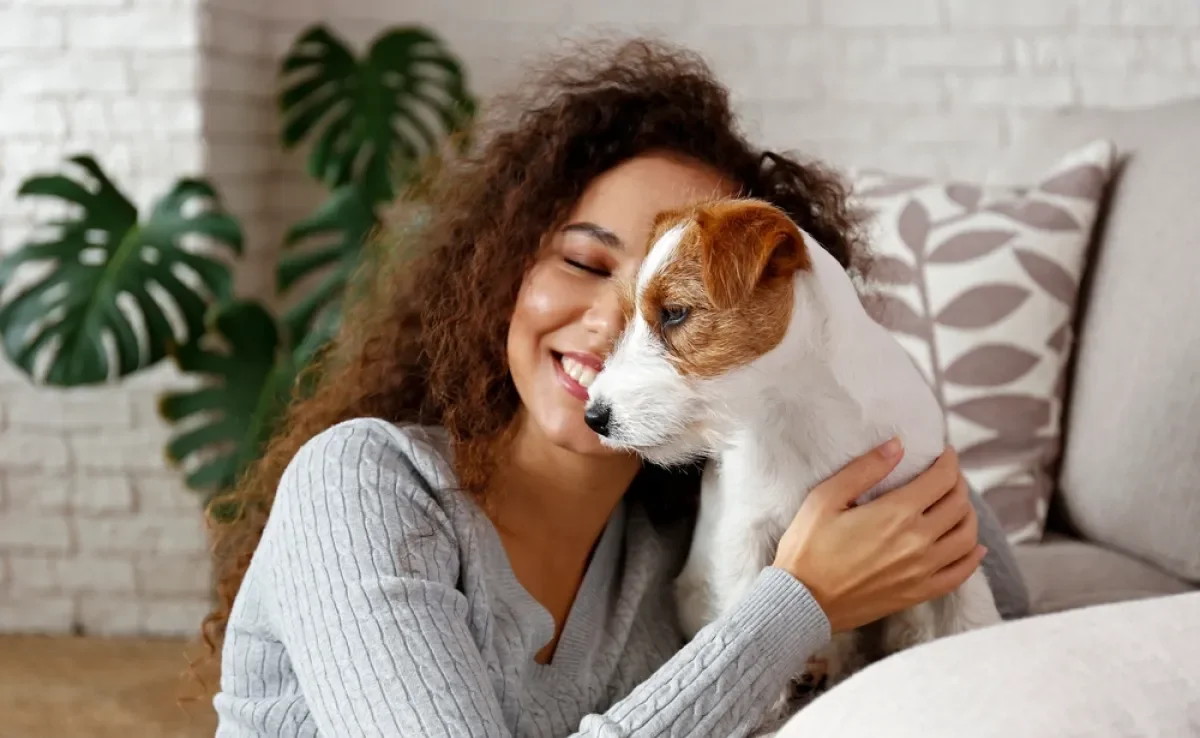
(746, 344)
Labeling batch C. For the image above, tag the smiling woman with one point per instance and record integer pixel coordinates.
(437, 543)
(568, 310)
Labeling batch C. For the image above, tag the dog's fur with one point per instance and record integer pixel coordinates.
(778, 376)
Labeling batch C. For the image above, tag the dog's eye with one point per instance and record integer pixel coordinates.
(673, 315)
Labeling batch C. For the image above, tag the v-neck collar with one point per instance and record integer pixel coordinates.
(585, 618)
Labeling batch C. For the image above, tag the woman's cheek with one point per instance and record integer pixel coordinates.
(543, 297)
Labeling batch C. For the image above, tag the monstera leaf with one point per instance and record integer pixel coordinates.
(234, 413)
(376, 116)
(344, 222)
(102, 255)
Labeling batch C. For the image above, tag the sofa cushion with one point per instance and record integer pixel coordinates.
(1125, 669)
(1062, 574)
(979, 285)
(1130, 477)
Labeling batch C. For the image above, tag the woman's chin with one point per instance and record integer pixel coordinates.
(587, 443)
(573, 435)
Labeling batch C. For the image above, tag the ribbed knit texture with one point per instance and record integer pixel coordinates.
(380, 602)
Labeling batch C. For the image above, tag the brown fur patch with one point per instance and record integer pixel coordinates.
(732, 271)
(626, 293)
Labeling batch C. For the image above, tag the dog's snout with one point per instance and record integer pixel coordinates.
(597, 416)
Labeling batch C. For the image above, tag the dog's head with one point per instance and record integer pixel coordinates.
(714, 295)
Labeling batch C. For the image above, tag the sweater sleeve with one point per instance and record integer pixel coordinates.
(364, 564)
(724, 679)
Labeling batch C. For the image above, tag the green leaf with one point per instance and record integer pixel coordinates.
(246, 387)
(100, 253)
(372, 117)
(344, 222)
(323, 331)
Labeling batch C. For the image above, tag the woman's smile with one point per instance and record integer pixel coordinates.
(576, 371)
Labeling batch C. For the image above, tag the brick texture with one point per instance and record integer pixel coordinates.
(98, 533)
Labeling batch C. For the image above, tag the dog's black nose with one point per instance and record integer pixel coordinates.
(597, 417)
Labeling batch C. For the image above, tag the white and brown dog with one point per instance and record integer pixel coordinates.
(747, 344)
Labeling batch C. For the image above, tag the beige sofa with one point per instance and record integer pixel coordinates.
(1113, 646)
(1126, 515)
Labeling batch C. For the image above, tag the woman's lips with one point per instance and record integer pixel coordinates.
(576, 372)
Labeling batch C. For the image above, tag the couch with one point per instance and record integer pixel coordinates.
(1126, 518)
(1112, 646)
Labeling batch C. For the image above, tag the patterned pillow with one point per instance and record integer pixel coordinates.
(979, 284)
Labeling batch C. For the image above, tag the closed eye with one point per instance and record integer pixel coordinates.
(591, 270)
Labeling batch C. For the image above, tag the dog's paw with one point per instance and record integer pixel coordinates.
(815, 673)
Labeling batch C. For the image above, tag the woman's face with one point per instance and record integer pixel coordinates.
(567, 315)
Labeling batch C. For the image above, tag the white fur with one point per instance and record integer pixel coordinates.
(660, 253)
(835, 387)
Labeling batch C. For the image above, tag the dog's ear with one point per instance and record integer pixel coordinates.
(745, 244)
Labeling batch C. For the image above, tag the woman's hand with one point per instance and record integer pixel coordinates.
(913, 544)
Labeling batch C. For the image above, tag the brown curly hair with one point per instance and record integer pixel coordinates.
(426, 342)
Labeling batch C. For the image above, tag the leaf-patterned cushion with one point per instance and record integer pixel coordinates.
(979, 284)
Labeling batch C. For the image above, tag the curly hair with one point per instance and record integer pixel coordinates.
(426, 341)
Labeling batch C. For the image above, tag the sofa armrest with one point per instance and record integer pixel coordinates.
(1124, 669)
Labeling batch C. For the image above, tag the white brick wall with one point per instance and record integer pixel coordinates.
(930, 86)
(96, 534)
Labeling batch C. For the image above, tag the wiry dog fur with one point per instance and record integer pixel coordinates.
(747, 344)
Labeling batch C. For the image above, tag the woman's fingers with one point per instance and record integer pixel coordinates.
(929, 486)
(947, 512)
(859, 476)
(950, 577)
(956, 543)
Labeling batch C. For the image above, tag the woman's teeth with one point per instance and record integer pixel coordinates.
(580, 373)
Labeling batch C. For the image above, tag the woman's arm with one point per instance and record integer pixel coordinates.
(1008, 586)
(722, 682)
(364, 564)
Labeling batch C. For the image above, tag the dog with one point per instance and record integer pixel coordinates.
(747, 347)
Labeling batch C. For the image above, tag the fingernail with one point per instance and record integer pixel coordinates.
(891, 450)
(983, 550)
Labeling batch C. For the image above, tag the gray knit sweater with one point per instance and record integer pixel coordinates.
(380, 602)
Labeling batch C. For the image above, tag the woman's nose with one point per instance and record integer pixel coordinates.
(604, 318)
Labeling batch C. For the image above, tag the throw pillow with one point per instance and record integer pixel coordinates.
(979, 284)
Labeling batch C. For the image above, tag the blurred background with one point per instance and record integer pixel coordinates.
(103, 568)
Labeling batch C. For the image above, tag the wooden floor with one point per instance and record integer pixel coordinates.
(63, 687)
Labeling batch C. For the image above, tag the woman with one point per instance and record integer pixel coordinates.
(451, 551)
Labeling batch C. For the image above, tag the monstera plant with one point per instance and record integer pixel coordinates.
(110, 292)
(71, 319)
